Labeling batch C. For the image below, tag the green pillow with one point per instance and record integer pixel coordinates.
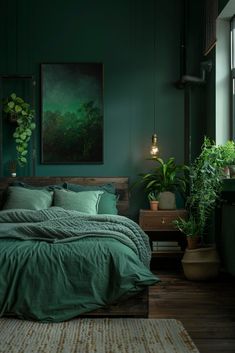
(18, 197)
(108, 200)
(84, 201)
(108, 204)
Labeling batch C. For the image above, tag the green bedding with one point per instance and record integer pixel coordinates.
(57, 264)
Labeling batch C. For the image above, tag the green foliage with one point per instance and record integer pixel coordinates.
(166, 176)
(24, 115)
(206, 177)
(81, 133)
(153, 196)
(189, 227)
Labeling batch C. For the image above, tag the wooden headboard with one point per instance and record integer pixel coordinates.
(121, 184)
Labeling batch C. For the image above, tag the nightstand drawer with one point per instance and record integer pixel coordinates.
(160, 220)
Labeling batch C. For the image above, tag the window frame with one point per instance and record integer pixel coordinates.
(232, 77)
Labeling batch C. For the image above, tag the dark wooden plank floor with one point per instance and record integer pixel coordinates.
(206, 309)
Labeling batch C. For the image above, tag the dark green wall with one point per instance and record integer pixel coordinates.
(222, 4)
(120, 35)
(194, 57)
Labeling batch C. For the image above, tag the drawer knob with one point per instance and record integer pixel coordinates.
(163, 221)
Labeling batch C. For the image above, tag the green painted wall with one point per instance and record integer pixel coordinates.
(197, 93)
(120, 35)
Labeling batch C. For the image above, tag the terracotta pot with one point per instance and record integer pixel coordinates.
(193, 242)
(154, 205)
(201, 264)
(167, 200)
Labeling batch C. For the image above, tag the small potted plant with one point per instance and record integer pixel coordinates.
(206, 175)
(153, 200)
(165, 179)
(20, 112)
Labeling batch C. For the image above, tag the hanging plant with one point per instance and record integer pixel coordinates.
(20, 111)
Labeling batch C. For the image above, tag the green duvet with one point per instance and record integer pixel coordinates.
(57, 264)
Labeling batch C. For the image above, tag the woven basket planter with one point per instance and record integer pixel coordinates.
(201, 264)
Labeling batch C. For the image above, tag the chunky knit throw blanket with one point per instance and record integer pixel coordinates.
(59, 225)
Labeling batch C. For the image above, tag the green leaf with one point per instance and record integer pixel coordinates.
(151, 183)
(19, 100)
(23, 159)
(18, 108)
(23, 136)
(11, 105)
(160, 160)
(19, 149)
(13, 96)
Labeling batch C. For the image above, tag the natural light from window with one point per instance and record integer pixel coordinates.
(224, 85)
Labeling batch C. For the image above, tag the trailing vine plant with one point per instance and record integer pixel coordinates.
(20, 112)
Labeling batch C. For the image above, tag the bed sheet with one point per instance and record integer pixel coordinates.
(56, 277)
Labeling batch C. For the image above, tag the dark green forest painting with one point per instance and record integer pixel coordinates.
(72, 113)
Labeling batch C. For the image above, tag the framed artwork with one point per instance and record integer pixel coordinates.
(71, 113)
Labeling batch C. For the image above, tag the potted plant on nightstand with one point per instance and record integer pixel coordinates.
(20, 112)
(201, 261)
(153, 200)
(164, 180)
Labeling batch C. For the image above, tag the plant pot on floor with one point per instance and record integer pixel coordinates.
(201, 264)
(167, 200)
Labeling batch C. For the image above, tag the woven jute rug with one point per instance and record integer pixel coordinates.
(95, 336)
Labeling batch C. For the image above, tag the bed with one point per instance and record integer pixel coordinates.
(61, 262)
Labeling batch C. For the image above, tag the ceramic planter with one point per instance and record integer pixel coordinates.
(167, 200)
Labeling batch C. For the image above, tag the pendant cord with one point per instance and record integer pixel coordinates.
(154, 65)
(16, 36)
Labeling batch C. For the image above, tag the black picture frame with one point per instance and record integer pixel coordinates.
(71, 113)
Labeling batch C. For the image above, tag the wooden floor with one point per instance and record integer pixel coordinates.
(207, 310)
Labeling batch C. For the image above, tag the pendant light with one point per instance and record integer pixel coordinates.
(154, 148)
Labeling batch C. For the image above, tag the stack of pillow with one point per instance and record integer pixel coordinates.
(90, 199)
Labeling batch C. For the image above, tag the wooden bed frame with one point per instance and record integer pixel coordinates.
(136, 306)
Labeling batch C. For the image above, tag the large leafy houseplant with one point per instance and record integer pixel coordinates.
(206, 178)
(22, 113)
(165, 177)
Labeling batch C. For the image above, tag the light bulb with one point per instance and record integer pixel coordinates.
(154, 149)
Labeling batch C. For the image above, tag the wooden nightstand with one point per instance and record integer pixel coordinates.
(162, 232)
